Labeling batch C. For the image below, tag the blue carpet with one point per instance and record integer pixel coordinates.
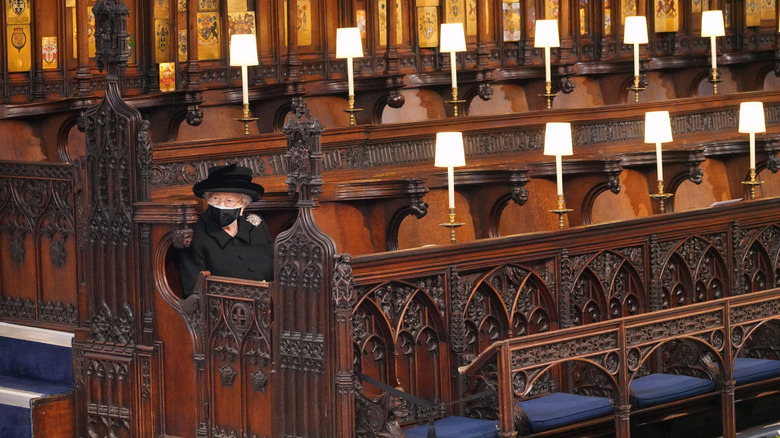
(37, 361)
(15, 422)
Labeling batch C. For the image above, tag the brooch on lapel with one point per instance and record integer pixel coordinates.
(254, 219)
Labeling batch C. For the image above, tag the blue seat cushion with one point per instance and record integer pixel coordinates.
(748, 370)
(656, 389)
(456, 427)
(560, 408)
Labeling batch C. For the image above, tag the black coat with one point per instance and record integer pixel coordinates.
(248, 255)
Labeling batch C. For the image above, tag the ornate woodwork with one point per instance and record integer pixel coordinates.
(39, 241)
(304, 340)
(109, 344)
(692, 341)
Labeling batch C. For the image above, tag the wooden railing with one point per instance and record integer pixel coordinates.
(621, 349)
(421, 313)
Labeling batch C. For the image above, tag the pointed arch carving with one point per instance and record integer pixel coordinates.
(760, 263)
(406, 321)
(619, 289)
(510, 300)
(694, 271)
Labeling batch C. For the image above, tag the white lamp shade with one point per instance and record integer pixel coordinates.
(452, 38)
(658, 127)
(635, 30)
(243, 49)
(751, 117)
(348, 43)
(712, 24)
(449, 150)
(546, 34)
(557, 138)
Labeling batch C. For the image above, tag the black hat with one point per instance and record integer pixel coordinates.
(230, 178)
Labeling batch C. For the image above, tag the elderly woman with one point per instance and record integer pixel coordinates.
(224, 241)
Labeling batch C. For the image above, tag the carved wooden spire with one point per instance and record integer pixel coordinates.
(305, 344)
(108, 349)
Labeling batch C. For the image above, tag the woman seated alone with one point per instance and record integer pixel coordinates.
(224, 241)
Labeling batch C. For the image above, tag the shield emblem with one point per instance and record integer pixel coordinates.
(162, 37)
(18, 6)
(49, 50)
(18, 38)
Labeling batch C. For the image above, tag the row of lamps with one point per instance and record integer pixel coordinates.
(449, 153)
(243, 53)
(449, 145)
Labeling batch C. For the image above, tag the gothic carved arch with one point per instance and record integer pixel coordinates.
(588, 299)
(627, 293)
(676, 283)
(485, 319)
(373, 343)
(518, 194)
(694, 271)
(757, 268)
(397, 219)
(761, 243)
(761, 75)
(620, 282)
(527, 304)
(421, 353)
(408, 319)
(711, 277)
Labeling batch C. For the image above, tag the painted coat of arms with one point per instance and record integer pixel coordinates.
(427, 27)
(18, 6)
(49, 52)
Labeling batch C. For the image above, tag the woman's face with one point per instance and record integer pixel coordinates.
(226, 200)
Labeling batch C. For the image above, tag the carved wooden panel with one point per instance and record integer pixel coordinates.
(760, 263)
(239, 358)
(38, 244)
(401, 339)
(694, 270)
(509, 300)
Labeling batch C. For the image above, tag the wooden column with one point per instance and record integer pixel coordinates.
(115, 373)
(305, 342)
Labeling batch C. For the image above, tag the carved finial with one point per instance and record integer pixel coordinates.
(304, 154)
(111, 49)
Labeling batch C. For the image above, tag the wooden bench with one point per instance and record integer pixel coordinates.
(682, 360)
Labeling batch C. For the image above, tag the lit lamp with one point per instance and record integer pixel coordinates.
(449, 154)
(635, 33)
(546, 35)
(452, 39)
(557, 141)
(751, 120)
(348, 45)
(712, 26)
(243, 52)
(658, 129)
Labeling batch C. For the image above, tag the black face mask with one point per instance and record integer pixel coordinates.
(223, 216)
